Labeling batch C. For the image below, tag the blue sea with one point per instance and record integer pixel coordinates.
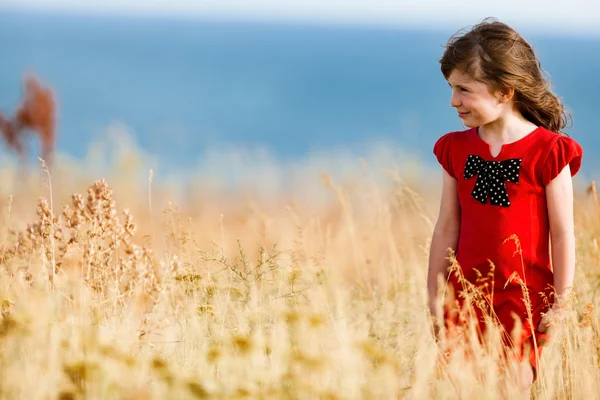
(182, 87)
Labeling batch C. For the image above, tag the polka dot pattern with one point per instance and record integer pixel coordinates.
(491, 178)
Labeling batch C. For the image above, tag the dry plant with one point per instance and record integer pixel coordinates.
(236, 298)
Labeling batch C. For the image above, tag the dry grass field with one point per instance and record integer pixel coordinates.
(118, 287)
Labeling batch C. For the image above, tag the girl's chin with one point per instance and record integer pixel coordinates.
(470, 122)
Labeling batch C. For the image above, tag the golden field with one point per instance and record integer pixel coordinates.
(116, 286)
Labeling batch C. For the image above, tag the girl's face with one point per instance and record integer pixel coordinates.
(476, 103)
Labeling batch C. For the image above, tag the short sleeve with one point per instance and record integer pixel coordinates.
(443, 152)
(563, 151)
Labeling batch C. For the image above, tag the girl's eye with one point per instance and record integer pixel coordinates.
(464, 90)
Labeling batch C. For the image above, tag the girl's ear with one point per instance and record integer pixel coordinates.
(506, 94)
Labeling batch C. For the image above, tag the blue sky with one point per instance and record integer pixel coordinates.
(559, 16)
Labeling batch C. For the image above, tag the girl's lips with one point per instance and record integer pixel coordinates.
(463, 114)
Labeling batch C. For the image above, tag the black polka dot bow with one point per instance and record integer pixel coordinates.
(491, 178)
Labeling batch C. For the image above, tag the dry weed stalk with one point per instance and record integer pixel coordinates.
(91, 231)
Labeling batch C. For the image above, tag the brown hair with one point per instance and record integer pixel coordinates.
(497, 55)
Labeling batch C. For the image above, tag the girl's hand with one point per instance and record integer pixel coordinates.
(549, 322)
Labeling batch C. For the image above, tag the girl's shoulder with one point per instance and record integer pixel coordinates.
(443, 147)
(455, 136)
(558, 150)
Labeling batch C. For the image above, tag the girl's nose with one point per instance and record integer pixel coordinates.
(454, 100)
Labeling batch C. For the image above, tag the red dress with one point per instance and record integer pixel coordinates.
(502, 198)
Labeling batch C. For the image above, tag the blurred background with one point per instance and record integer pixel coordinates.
(253, 90)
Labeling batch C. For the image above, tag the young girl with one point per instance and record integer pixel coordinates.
(507, 190)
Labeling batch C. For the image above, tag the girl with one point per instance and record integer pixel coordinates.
(507, 191)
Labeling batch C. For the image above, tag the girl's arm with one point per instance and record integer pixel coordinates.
(445, 236)
(559, 198)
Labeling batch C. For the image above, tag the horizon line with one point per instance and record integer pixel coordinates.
(434, 24)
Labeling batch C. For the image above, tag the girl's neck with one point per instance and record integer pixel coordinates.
(506, 129)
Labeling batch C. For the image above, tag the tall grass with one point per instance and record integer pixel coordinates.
(110, 289)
